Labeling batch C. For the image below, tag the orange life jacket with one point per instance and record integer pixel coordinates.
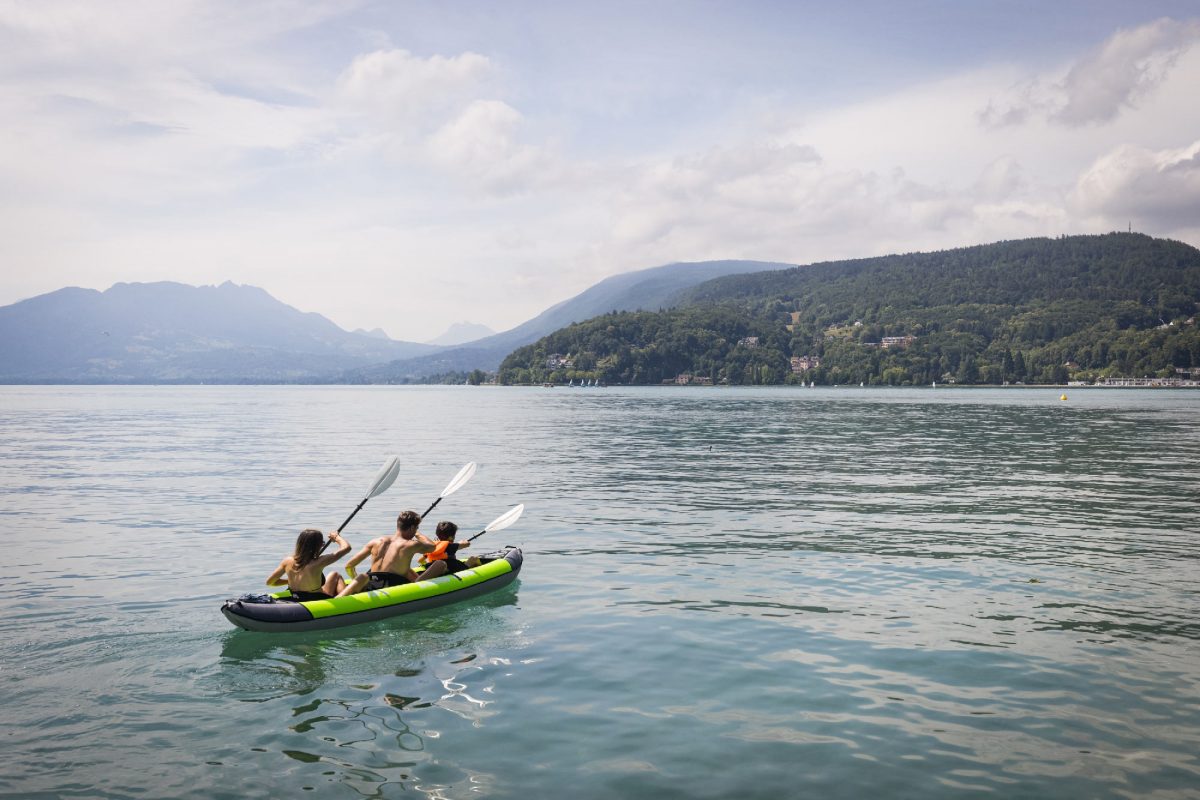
(439, 552)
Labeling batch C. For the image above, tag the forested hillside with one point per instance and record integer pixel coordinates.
(653, 288)
(1033, 311)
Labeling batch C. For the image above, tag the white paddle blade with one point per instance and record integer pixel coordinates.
(385, 478)
(507, 518)
(462, 477)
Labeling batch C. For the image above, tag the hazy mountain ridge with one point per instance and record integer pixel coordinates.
(461, 333)
(650, 289)
(168, 332)
(172, 332)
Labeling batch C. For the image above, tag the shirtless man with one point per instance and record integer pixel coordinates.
(391, 556)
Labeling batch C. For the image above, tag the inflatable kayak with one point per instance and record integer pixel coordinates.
(275, 614)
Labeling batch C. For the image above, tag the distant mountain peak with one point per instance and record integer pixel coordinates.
(461, 333)
(374, 333)
(649, 289)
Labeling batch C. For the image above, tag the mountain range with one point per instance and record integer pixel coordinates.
(461, 333)
(646, 289)
(1042, 310)
(168, 332)
(173, 333)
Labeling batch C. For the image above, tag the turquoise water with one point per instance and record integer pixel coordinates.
(727, 593)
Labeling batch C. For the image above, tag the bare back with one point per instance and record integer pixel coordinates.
(305, 579)
(395, 554)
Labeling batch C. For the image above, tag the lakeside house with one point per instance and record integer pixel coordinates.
(688, 379)
(559, 361)
(748, 341)
(804, 363)
(889, 342)
(1150, 382)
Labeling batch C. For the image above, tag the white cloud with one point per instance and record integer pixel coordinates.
(123, 104)
(767, 201)
(1114, 77)
(1124, 69)
(1157, 190)
(440, 113)
(482, 144)
(209, 141)
(1000, 180)
(395, 87)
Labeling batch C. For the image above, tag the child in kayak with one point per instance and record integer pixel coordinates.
(304, 569)
(444, 558)
(391, 556)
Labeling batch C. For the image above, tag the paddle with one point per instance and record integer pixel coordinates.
(453, 486)
(501, 522)
(383, 480)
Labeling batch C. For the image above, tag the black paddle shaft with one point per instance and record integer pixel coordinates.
(431, 508)
(329, 541)
(352, 513)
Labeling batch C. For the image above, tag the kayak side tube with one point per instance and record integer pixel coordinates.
(355, 609)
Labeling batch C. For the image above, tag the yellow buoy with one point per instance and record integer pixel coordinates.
(1064, 397)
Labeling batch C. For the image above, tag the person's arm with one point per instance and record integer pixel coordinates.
(343, 548)
(358, 557)
(277, 578)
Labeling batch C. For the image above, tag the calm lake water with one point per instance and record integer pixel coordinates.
(835, 593)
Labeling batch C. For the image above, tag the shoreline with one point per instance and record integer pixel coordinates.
(48, 384)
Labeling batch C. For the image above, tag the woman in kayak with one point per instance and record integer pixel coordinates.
(304, 569)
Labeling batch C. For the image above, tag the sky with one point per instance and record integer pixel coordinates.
(408, 165)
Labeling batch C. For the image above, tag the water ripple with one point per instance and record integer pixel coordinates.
(741, 592)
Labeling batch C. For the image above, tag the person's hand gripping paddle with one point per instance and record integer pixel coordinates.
(383, 481)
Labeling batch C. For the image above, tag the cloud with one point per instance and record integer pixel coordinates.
(1126, 67)
(1000, 180)
(785, 202)
(128, 106)
(441, 113)
(271, 143)
(482, 145)
(395, 87)
(1114, 77)
(1156, 190)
